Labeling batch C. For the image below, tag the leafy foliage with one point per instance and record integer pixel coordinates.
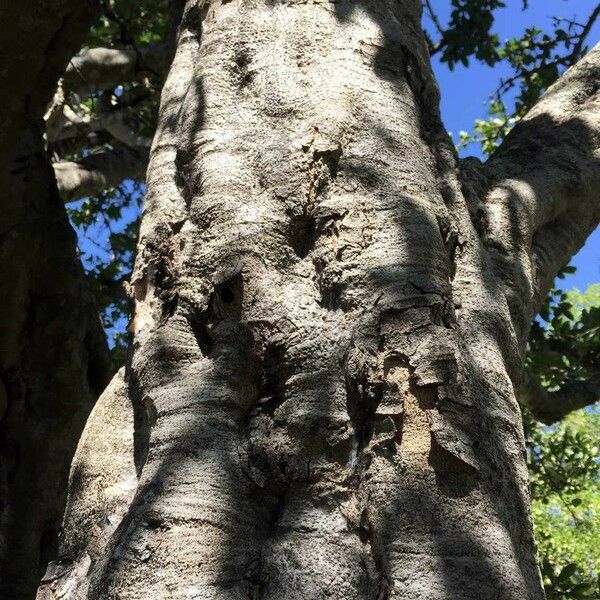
(129, 23)
(536, 59)
(564, 343)
(563, 460)
(489, 132)
(565, 485)
(468, 32)
(107, 224)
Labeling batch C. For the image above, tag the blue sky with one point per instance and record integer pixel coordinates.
(465, 92)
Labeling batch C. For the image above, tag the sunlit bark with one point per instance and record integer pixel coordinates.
(325, 335)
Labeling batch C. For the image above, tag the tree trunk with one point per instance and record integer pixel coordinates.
(325, 334)
(53, 356)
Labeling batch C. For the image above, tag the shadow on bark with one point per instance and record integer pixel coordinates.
(257, 462)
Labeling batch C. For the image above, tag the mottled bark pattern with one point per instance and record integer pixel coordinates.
(320, 374)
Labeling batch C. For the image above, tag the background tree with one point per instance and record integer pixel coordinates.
(53, 354)
(563, 459)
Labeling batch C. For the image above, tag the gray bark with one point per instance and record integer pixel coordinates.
(99, 171)
(320, 387)
(97, 69)
(53, 356)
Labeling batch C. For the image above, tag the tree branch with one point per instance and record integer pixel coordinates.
(549, 407)
(434, 48)
(99, 69)
(99, 171)
(67, 124)
(544, 187)
(578, 47)
(112, 290)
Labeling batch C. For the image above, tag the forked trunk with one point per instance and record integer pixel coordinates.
(320, 376)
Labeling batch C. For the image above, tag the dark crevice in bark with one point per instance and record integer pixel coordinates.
(175, 14)
(265, 469)
(242, 60)
(48, 545)
(452, 242)
(256, 572)
(330, 158)
(272, 386)
(183, 175)
(224, 304)
(99, 365)
(323, 166)
(303, 234)
(363, 394)
(266, 473)
(227, 298)
(373, 560)
(474, 186)
(201, 331)
(331, 293)
(255, 578)
(142, 424)
(331, 290)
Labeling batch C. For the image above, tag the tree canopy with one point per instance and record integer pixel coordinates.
(99, 129)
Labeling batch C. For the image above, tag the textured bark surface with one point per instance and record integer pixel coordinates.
(53, 358)
(322, 404)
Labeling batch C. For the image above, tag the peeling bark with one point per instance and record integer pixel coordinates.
(321, 392)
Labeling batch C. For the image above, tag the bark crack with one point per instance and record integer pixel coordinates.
(322, 169)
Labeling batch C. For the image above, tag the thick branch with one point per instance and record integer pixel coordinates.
(545, 185)
(549, 407)
(98, 69)
(68, 125)
(435, 48)
(99, 171)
